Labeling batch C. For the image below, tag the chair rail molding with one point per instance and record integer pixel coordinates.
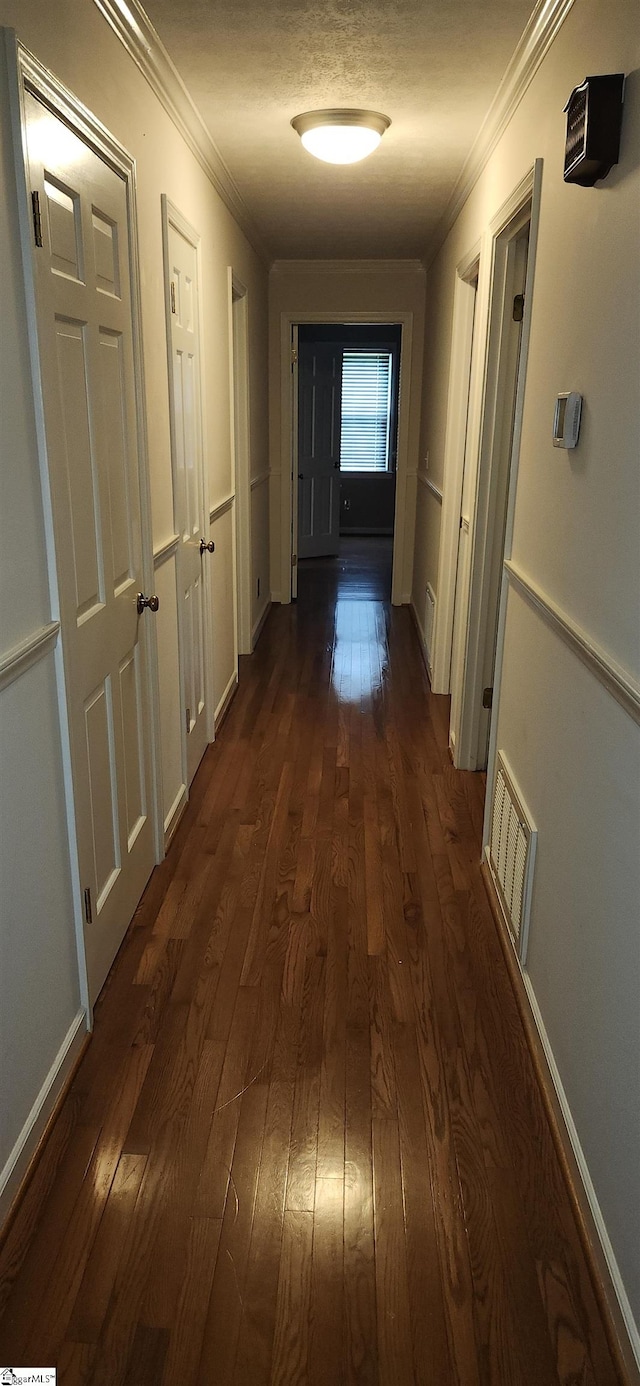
(259, 480)
(430, 485)
(165, 550)
(21, 657)
(618, 681)
(221, 508)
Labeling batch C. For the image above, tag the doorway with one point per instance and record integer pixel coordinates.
(490, 484)
(287, 474)
(346, 445)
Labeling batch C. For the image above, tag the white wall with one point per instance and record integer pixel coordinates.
(73, 40)
(572, 748)
(310, 289)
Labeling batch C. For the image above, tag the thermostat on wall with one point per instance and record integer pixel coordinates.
(566, 420)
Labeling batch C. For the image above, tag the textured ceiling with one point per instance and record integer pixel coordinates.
(433, 66)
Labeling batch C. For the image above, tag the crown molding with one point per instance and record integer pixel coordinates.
(347, 267)
(137, 35)
(543, 26)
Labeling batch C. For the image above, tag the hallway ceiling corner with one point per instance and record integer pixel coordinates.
(234, 76)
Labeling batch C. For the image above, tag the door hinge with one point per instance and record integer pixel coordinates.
(88, 911)
(518, 308)
(187, 713)
(37, 219)
(173, 297)
(487, 697)
(294, 559)
(294, 357)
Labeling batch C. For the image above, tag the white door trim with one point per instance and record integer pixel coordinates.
(527, 192)
(403, 524)
(26, 73)
(240, 460)
(459, 410)
(293, 406)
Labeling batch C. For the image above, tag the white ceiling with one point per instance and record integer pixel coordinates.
(433, 66)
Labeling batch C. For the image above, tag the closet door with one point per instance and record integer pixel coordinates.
(85, 338)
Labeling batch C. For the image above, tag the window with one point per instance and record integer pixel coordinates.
(366, 411)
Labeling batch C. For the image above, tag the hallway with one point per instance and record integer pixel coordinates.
(306, 1142)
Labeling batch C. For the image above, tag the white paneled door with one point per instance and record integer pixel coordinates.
(85, 338)
(194, 551)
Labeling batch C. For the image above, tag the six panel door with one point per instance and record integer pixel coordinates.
(87, 370)
(188, 484)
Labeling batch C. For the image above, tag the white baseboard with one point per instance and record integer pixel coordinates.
(366, 530)
(601, 1252)
(225, 700)
(421, 639)
(583, 1168)
(257, 627)
(276, 598)
(175, 814)
(27, 1143)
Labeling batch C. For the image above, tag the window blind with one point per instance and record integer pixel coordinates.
(366, 408)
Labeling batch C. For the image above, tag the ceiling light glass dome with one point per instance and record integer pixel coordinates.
(341, 136)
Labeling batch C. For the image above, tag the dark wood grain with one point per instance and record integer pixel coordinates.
(307, 1143)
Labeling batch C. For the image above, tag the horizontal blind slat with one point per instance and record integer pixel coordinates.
(366, 397)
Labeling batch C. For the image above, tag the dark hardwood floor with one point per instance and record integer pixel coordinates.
(306, 1142)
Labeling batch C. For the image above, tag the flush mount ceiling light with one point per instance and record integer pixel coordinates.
(341, 137)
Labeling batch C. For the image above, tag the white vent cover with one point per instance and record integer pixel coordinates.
(511, 854)
(429, 618)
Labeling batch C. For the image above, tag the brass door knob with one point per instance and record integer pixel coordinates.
(207, 548)
(152, 603)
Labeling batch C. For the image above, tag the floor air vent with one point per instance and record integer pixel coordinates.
(511, 854)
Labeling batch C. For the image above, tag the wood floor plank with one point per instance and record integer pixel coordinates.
(226, 1303)
(216, 1170)
(290, 1366)
(76, 1362)
(183, 1356)
(359, 1238)
(331, 1114)
(169, 1250)
(326, 1337)
(97, 1282)
(253, 1363)
(148, 1351)
(383, 1077)
(303, 1151)
(71, 1238)
(431, 1357)
(395, 1357)
(307, 1142)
